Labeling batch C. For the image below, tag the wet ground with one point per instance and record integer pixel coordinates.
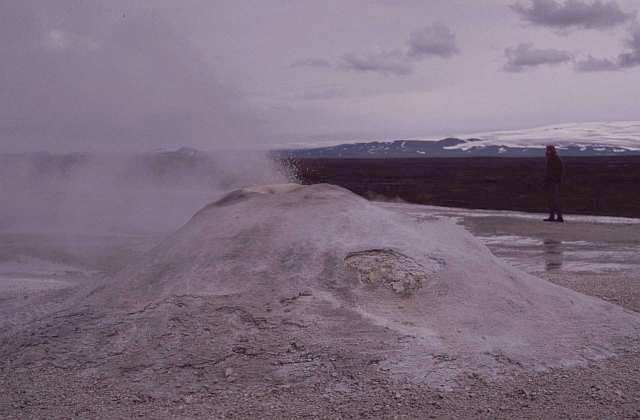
(589, 245)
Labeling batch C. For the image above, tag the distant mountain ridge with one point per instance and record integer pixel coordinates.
(446, 148)
(621, 138)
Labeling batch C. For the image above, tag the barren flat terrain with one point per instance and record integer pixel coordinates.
(592, 185)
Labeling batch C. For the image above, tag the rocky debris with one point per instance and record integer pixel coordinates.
(561, 393)
(387, 268)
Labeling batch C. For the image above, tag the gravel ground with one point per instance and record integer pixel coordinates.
(606, 390)
(620, 288)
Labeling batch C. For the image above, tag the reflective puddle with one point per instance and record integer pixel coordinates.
(538, 255)
(585, 244)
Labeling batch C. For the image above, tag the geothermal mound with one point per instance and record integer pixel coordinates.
(292, 283)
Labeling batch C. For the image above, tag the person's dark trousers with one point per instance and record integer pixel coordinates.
(553, 195)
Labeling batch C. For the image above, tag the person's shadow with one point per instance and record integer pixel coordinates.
(552, 254)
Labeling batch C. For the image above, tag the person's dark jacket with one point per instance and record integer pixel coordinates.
(554, 171)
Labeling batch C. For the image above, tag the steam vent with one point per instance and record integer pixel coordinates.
(291, 284)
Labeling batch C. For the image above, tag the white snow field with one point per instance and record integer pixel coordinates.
(621, 134)
(276, 283)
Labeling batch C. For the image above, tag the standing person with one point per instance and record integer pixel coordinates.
(552, 180)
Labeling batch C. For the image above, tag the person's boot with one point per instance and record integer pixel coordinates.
(551, 218)
(560, 219)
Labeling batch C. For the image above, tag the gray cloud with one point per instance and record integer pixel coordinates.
(312, 62)
(633, 41)
(525, 56)
(322, 93)
(573, 14)
(593, 64)
(632, 57)
(629, 60)
(436, 39)
(384, 62)
(624, 60)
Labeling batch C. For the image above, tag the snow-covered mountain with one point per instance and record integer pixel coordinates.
(624, 135)
(578, 139)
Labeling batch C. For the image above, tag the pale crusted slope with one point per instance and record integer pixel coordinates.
(284, 271)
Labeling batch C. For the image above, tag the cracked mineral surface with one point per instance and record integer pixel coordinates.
(388, 268)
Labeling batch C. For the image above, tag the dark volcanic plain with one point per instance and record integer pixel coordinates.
(607, 186)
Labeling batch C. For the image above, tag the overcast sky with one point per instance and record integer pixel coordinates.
(116, 74)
